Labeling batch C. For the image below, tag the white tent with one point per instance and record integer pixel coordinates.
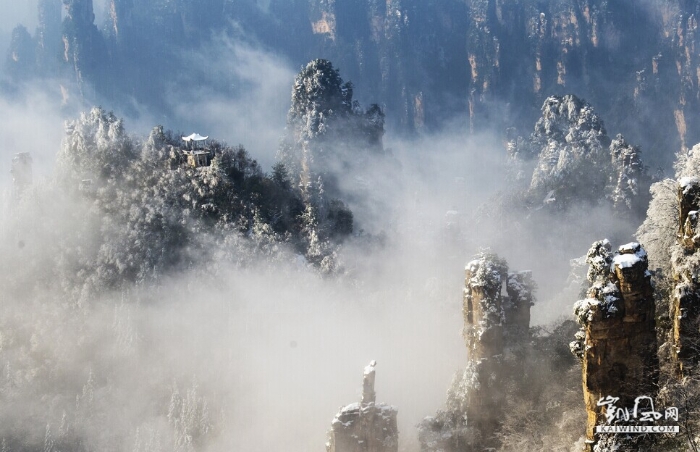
(194, 137)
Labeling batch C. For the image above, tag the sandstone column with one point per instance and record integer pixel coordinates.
(496, 310)
(484, 321)
(366, 426)
(618, 345)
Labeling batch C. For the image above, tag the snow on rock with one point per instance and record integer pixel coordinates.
(585, 309)
(568, 135)
(685, 265)
(370, 367)
(685, 182)
(368, 394)
(365, 426)
(482, 308)
(599, 259)
(630, 255)
(618, 334)
(689, 204)
(520, 295)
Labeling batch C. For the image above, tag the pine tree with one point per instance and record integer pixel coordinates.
(96, 147)
(326, 129)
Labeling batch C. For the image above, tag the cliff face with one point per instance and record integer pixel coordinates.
(366, 426)
(685, 303)
(120, 17)
(622, 56)
(496, 304)
(84, 50)
(520, 288)
(628, 185)
(48, 36)
(21, 54)
(671, 235)
(617, 344)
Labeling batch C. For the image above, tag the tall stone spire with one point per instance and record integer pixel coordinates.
(496, 310)
(48, 35)
(617, 344)
(366, 426)
(368, 394)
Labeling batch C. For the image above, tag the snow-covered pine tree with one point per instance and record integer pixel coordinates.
(326, 129)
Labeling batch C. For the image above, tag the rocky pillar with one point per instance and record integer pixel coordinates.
(368, 394)
(483, 308)
(618, 340)
(685, 305)
(496, 310)
(484, 322)
(366, 426)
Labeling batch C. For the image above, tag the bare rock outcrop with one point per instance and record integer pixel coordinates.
(48, 35)
(617, 344)
(366, 426)
(496, 309)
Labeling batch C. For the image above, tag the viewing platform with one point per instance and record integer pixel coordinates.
(197, 151)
